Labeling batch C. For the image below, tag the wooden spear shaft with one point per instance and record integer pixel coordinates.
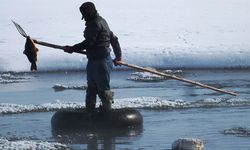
(175, 77)
(48, 44)
(54, 46)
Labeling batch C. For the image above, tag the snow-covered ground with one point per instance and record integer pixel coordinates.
(162, 33)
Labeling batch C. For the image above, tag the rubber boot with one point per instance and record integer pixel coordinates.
(90, 100)
(107, 100)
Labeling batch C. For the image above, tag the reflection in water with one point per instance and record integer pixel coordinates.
(93, 136)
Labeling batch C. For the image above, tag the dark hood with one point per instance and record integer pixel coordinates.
(88, 11)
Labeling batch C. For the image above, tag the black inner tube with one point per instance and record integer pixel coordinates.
(79, 118)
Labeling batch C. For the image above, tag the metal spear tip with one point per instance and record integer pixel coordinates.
(19, 29)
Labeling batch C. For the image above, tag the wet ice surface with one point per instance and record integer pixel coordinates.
(238, 131)
(171, 110)
(153, 103)
(29, 144)
(7, 78)
(145, 76)
(135, 76)
(60, 87)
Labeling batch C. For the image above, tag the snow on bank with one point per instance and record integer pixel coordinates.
(162, 33)
(138, 102)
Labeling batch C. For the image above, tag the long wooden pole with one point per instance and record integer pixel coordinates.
(48, 44)
(54, 46)
(175, 77)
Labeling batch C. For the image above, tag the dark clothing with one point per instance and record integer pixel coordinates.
(98, 73)
(98, 78)
(98, 38)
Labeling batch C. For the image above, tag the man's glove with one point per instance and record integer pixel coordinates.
(68, 49)
(116, 61)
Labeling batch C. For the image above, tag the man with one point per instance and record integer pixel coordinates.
(98, 38)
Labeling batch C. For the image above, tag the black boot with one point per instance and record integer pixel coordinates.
(107, 99)
(90, 100)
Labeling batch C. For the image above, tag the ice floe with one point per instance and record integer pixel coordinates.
(29, 144)
(6, 78)
(137, 102)
(238, 131)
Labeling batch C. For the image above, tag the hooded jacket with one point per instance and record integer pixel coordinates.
(98, 38)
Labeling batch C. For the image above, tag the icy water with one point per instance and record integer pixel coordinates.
(170, 109)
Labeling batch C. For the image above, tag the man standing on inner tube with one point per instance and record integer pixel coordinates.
(98, 38)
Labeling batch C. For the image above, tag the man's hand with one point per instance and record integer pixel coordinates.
(68, 49)
(116, 61)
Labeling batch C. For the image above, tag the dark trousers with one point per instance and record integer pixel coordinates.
(98, 79)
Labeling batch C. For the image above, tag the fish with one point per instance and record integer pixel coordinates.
(30, 51)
